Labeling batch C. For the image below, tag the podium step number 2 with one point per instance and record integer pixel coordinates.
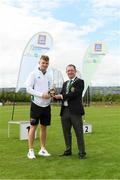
(87, 128)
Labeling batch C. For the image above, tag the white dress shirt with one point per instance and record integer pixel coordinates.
(66, 102)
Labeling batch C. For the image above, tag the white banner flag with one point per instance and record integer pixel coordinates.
(92, 59)
(39, 44)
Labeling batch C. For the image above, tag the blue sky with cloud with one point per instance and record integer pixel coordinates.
(73, 24)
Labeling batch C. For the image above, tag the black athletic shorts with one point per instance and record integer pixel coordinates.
(40, 115)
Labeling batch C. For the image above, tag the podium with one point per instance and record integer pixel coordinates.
(23, 129)
(24, 125)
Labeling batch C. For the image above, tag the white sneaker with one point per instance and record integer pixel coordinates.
(31, 154)
(43, 152)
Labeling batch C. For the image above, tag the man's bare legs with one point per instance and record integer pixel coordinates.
(31, 137)
(43, 136)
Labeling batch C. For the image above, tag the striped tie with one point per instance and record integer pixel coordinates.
(69, 86)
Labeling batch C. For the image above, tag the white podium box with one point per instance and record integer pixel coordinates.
(23, 131)
(87, 128)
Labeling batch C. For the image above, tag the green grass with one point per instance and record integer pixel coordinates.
(102, 146)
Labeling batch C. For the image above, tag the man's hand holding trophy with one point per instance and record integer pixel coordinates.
(52, 92)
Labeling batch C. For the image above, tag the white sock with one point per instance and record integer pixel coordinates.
(31, 149)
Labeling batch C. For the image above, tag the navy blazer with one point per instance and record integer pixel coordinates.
(73, 97)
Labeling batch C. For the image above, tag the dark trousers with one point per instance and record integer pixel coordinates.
(68, 120)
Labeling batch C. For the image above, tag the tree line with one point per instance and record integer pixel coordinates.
(9, 97)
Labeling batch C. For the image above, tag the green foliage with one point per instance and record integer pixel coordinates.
(12, 96)
(102, 146)
(97, 97)
(25, 97)
(105, 98)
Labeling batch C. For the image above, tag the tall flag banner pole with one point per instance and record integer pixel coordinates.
(94, 54)
(39, 44)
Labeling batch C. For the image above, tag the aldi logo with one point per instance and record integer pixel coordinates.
(42, 39)
(98, 47)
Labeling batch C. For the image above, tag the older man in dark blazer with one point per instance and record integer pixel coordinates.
(72, 111)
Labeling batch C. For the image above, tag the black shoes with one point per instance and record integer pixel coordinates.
(69, 153)
(82, 156)
(66, 153)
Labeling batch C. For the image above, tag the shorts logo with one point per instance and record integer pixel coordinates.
(33, 122)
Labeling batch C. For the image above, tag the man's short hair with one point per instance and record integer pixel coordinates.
(72, 66)
(44, 57)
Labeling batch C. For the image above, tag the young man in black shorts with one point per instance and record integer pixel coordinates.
(38, 85)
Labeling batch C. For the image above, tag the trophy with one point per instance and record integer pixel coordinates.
(52, 92)
(56, 82)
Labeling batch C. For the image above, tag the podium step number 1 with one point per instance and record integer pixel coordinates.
(23, 129)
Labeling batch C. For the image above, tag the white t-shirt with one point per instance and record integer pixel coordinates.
(37, 84)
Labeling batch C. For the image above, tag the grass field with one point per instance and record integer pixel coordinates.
(102, 146)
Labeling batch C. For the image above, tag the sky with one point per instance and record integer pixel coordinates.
(73, 25)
